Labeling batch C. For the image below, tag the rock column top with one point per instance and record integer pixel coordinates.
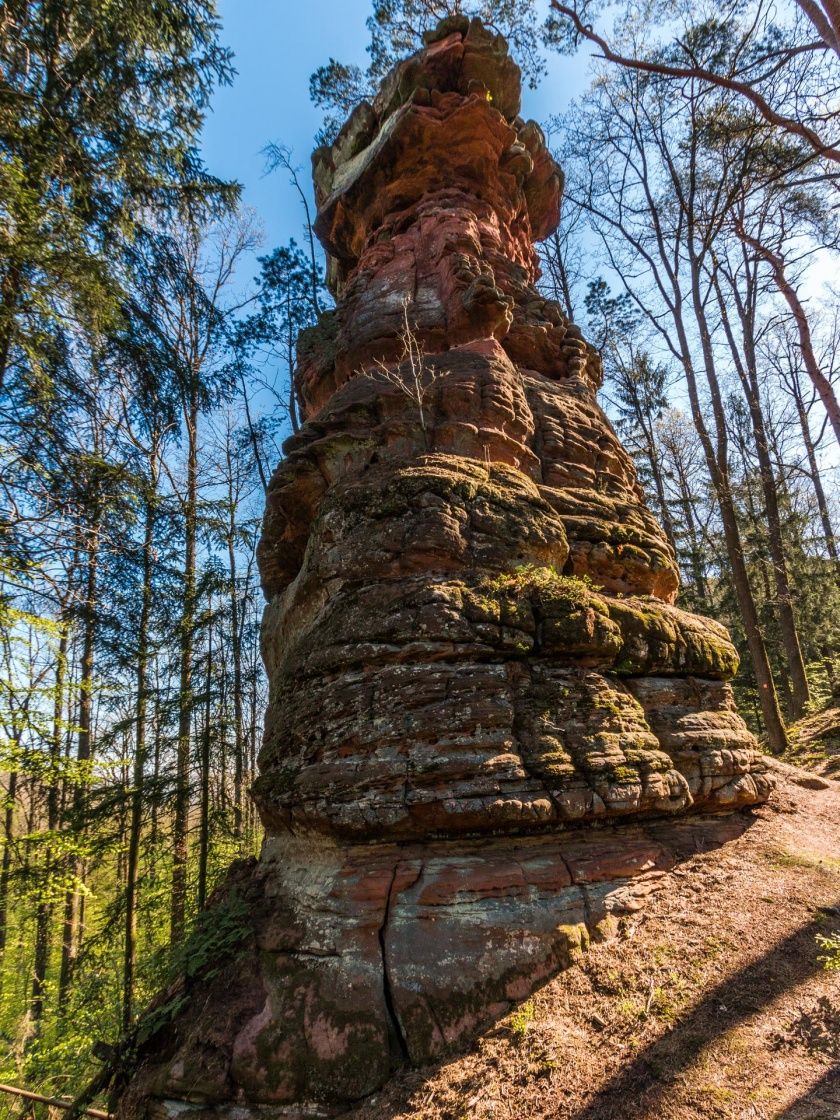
(434, 195)
(446, 118)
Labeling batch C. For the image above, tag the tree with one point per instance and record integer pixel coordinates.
(639, 385)
(87, 149)
(821, 383)
(413, 376)
(638, 171)
(290, 295)
(684, 470)
(188, 301)
(744, 291)
(778, 65)
(118, 300)
(782, 357)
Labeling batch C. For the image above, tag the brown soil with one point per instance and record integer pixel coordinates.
(712, 1002)
(815, 742)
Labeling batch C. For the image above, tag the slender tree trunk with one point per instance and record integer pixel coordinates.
(239, 745)
(768, 697)
(748, 375)
(814, 469)
(560, 275)
(662, 499)
(222, 725)
(73, 910)
(717, 464)
(185, 694)
(45, 910)
(655, 463)
(154, 826)
(686, 505)
(290, 351)
(136, 822)
(252, 749)
(252, 435)
(204, 828)
(6, 864)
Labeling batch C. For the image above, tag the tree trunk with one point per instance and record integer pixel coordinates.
(252, 750)
(154, 826)
(136, 822)
(806, 345)
(686, 500)
(6, 865)
(236, 642)
(748, 375)
(644, 422)
(814, 469)
(73, 913)
(204, 829)
(185, 693)
(44, 917)
(718, 467)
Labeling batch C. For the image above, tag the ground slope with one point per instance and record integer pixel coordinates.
(815, 742)
(711, 1002)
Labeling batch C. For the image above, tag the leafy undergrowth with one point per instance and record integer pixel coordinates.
(715, 1003)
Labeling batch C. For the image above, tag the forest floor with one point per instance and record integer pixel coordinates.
(713, 1003)
(815, 742)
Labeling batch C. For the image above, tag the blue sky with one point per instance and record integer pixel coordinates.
(277, 44)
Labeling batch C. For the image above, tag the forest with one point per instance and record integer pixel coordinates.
(147, 350)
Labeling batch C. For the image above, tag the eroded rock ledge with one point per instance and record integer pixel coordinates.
(482, 696)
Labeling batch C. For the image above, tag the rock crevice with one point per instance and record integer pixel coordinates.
(387, 990)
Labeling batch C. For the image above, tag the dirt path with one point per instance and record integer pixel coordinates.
(711, 1003)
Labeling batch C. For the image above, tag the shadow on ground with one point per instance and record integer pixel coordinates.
(647, 1079)
(821, 1102)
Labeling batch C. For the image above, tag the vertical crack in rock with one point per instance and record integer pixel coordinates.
(387, 991)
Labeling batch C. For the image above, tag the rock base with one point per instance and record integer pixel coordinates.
(357, 960)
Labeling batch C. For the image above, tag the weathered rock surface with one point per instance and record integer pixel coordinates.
(354, 959)
(470, 636)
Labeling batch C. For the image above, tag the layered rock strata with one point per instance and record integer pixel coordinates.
(470, 637)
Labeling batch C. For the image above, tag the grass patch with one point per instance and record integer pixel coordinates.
(521, 1020)
(802, 858)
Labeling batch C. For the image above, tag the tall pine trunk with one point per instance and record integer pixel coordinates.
(204, 825)
(236, 644)
(180, 829)
(136, 820)
(8, 841)
(154, 824)
(44, 917)
(73, 914)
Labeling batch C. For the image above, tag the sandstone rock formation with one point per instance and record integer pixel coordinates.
(470, 636)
